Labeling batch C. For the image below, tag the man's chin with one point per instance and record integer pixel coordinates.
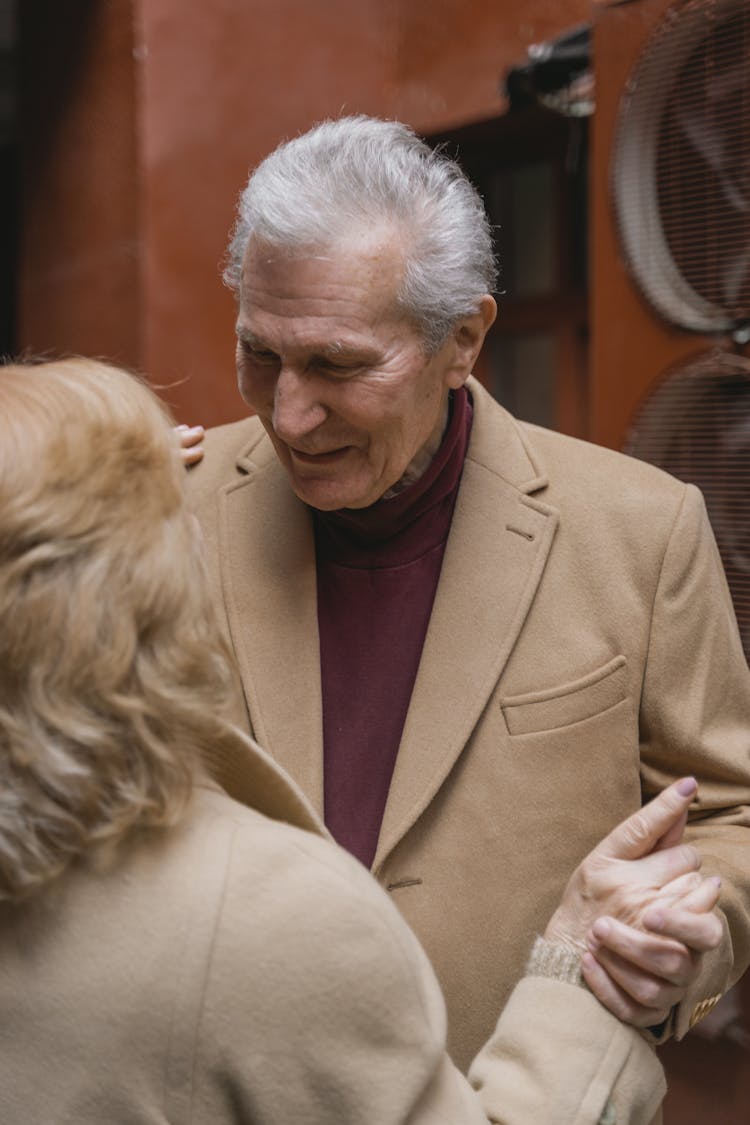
(326, 496)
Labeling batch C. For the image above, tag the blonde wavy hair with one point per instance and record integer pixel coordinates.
(113, 676)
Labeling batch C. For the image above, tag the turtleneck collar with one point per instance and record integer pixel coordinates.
(418, 517)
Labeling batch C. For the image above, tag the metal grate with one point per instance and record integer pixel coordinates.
(696, 425)
(681, 166)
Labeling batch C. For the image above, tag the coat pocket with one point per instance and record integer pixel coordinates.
(569, 703)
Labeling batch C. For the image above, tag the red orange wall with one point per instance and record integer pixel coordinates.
(79, 239)
(215, 87)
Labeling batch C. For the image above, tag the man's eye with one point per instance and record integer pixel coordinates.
(342, 369)
(254, 355)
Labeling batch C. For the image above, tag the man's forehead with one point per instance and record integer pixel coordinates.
(373, 256)
(324, 297)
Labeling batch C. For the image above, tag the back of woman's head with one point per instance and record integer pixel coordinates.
(113, 678)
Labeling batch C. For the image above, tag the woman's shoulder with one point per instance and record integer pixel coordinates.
(315, 987)
(302, 865)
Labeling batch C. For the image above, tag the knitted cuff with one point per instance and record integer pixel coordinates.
(555, 959)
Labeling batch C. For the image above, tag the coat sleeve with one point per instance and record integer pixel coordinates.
(319, 1005)
(695, 719)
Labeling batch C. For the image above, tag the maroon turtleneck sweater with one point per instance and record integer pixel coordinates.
(378, 570)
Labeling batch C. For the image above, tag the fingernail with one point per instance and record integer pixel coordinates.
(716, 880)
(588, 962)
(687, 786)
(600, 928)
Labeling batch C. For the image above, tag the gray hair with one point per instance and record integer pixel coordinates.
(347, 175)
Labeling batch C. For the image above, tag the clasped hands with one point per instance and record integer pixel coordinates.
(640, 912)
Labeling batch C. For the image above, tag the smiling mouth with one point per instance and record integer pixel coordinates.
(319, 458)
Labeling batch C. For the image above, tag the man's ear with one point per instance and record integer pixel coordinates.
(467, 339)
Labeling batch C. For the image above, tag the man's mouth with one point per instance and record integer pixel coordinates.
(322, 458)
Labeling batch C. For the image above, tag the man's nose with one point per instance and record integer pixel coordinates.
(297, 409)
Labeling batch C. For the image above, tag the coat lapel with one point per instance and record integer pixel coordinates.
(500, 539)
(495, 556)
(269, 586)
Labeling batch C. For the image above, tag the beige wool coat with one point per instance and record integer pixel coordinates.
(237, 970)
(581, 654)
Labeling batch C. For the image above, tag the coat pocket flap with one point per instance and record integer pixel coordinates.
(569, 703)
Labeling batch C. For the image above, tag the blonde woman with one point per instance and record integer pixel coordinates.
(171, 954)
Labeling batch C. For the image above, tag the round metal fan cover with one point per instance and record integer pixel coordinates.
(681, 166)
(695, 424)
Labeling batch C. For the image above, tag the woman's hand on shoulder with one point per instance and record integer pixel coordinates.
(190, 440)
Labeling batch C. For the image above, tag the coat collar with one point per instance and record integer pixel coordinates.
(498, 546)
(238, 766)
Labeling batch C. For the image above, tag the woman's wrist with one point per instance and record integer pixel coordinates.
(558, 960)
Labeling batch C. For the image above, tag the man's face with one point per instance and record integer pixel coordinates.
(337, 375)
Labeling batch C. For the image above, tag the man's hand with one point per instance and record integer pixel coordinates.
(190, 438)
(640, 913)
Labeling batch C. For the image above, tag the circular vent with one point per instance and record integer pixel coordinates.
(696, 425)
(681, 166)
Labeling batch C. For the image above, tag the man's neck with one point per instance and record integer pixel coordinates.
(424, 458)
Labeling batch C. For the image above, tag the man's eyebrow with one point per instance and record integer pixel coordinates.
(360, 350)
(337, 348)
(330, 350)
(245, 336)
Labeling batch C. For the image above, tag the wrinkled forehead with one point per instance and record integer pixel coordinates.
(370, 264)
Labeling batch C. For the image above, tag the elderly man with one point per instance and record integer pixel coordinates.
(475, 644)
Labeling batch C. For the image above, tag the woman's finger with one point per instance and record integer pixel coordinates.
(700, 932)
(190, 438)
